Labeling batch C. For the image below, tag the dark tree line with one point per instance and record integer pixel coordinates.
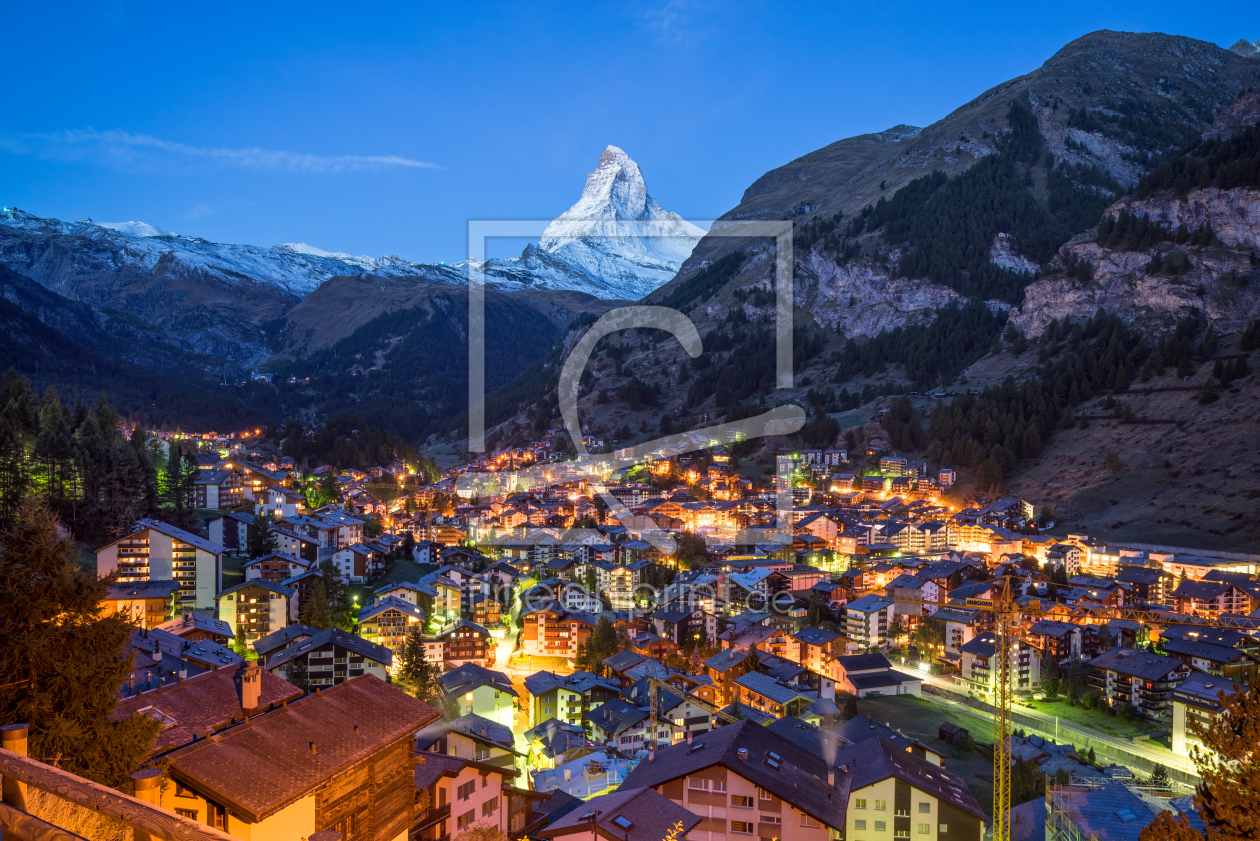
(1128, 231)
(346, 442)
(1003, 425)
(92, 476)
(946, 225)
(1226, 163)
(934, 354)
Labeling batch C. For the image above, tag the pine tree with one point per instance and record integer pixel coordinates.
(295, 672)
(416, 675)
(260, 539)
(316, 611)
(149, 500)
(1229, 798)
(14, 479)
(54, 452)
(61, 667)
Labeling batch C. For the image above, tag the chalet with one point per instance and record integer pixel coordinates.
(331, 657)
(549, 630)
(482, 692)
(464, 792)
(256, 607)
(460, 642)
(815, 649)
(355, 562)
(217, 489)
(757, 777)
(338, 760)
(388, 621)
(1147, 585)
(470, 737)
(276, 567)
(157, 551)
(1210, 598)
(145, 605)
(979, 671)
(895, 791)
(566, 697)
(206, 703)
(772, 697)
(197, 627)
(281, 639)
(1058, 641)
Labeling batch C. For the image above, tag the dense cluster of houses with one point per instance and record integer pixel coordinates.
(734, 660)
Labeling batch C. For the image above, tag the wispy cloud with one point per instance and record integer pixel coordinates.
(143, 151)
(673, 21)
(201, 209)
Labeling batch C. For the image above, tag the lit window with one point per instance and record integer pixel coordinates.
(859, 803)
(943, 827)
(741, 827)
(925, 828)
(881, 805)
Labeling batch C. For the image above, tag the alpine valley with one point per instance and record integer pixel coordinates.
(1054, 289)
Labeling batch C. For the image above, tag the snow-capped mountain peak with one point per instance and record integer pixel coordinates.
(592, 237)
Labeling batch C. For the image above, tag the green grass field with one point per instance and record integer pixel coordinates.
(922, 719)
(1103, 723)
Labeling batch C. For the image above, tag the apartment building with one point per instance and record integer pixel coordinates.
(1139, 678)
(387, 622)
(258, 607)
(1197, 700)
(145, 605)
(332, 657)
(866, 622)
(158, 551)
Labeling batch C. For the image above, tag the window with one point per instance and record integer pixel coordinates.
(925, 828)
(741, 827)
(859, 826)
(740, 801)
(764, 795)
(489, 807)
(466, 819)
(881, 826)
(806, 820)
(623, 822)
(719, 785)
(465, 791)
(902, 813)
(182, 790)
(771, 819)
(943, 827)
(191, 814)
(925, 808)
(901, 833)
(697, 784)
(881, 805)
(859, 803)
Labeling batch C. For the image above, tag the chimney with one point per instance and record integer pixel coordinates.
(251, 686)
(312, 748)
(651, 751)
(743, 754)
(688, 737)
(831, 777)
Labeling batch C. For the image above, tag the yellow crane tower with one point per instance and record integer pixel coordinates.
(1008, 614)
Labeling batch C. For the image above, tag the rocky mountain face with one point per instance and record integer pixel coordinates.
(1105, 107)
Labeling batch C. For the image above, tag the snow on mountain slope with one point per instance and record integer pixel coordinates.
(583, 250)
(591, 239)
(140, 229)
(137, 246)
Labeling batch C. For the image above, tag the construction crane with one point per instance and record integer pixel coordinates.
(1008, 614)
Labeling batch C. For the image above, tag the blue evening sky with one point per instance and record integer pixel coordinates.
(382, 131)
